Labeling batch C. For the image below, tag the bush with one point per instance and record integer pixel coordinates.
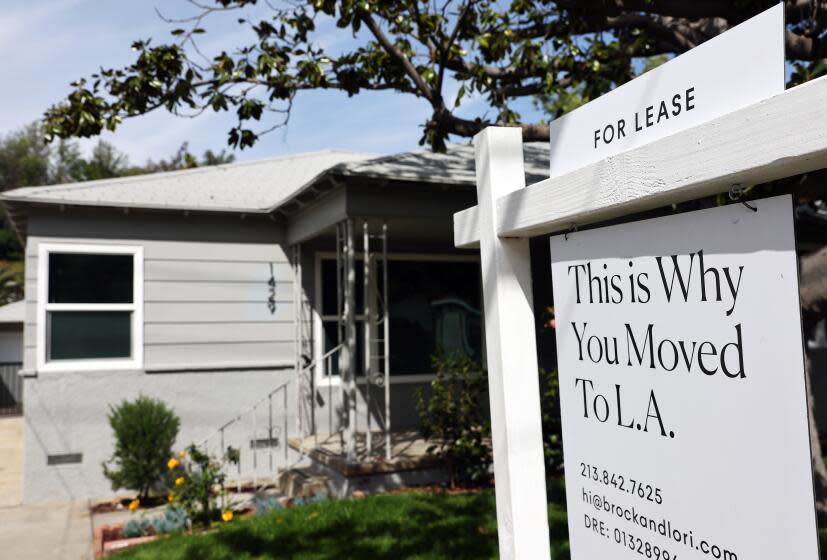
(173, 520)
(552, 428)
(136, 528)
(198, 483)
(263, 504)
(455, 418)
(145, 430)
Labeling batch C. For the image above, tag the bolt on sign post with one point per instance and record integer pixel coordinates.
(679, 340)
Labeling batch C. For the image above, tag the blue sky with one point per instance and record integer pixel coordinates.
(46, 44)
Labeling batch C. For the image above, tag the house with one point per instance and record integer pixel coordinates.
(294, 296)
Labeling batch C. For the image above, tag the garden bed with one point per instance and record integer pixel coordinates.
(432, 524)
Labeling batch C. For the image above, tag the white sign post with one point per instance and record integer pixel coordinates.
(512, 356)
(682, 387)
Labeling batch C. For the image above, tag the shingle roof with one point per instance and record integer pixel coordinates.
(263, 186)
(256, 186)
(456, 166)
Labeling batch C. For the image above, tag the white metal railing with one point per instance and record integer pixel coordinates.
(327, 372)
(261, 431)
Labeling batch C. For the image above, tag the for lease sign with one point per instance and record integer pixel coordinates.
(682, 388)
(734, 70)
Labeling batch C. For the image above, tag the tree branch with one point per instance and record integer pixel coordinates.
(403, 60)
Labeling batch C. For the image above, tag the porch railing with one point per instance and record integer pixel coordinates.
(260, 432)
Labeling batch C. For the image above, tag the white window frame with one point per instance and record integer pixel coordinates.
(136, 361)
(318, 318)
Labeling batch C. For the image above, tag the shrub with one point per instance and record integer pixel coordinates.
(145, 430)
(263, 504)
(455, 419)
(173, 520)
(136, 528)
(198, 482)
(552, 428)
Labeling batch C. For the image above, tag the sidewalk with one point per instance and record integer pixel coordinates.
(60, 531)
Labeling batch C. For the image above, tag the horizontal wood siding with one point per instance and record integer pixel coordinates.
(250, 292)
(199, 333)
(214, 271)
(224, 356)
(206, 303)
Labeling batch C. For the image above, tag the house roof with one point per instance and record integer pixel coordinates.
(454, 167)
(264, 186)
(256, 186)
(13, 312)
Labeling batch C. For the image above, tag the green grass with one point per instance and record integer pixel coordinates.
(415, 525)
(402, 526)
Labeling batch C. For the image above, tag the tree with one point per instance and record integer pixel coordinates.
(105, 162)
(440, 52)
(183, 159)
(24, 158)
(27, 160)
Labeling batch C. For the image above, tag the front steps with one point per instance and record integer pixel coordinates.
(302, 482)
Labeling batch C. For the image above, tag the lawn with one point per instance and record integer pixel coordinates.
(412, 525)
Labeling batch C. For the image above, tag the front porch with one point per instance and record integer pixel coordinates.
(379, 290)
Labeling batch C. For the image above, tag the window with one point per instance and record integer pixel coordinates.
(90, 307)
(435, 308)
(329, 319)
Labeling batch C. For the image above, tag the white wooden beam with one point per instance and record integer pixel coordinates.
(467, 229)
(776, 138)
(511, 348)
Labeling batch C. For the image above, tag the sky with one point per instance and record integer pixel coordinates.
(47, 44)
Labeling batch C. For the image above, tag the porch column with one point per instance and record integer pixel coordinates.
(349, 349)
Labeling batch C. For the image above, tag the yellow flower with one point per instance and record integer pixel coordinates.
(180, 480)
(173, 463)
(312, 515)
(227, 516)
(171, 498)
(183, 454)
(134, 504)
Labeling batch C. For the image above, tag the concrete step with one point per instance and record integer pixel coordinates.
(302, 482)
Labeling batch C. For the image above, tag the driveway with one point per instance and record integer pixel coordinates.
(35, 532)
(11, 460)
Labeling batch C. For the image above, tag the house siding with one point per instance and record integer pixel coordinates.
(206, 303)
(206, 307)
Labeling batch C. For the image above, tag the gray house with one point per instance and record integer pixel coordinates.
(298, 297)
